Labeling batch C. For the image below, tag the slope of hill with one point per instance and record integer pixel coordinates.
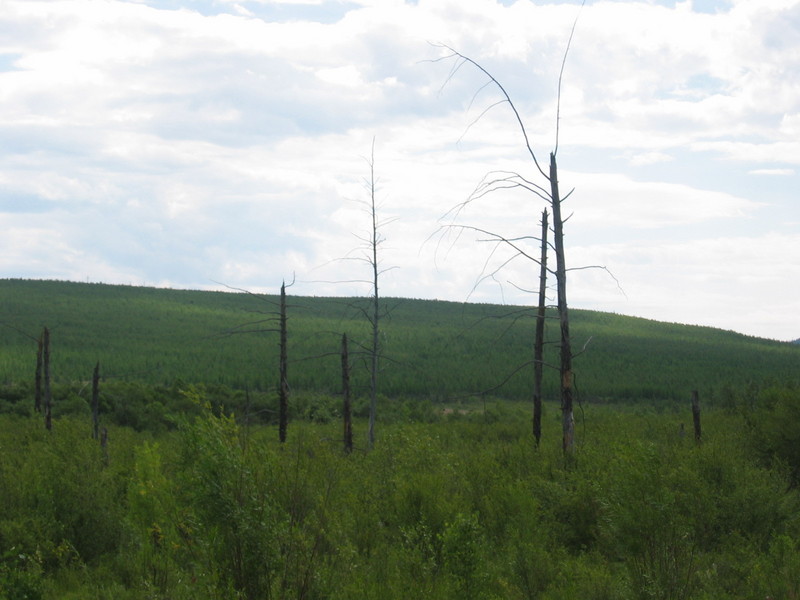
(436, 350)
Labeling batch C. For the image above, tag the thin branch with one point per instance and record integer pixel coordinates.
(465, 58)
(602, 268)
(494, 237)
(584, 347)
(561, 75)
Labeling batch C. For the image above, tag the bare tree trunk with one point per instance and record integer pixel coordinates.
(567, 417)
(696, 416)
(37, 382)
(104, 444)
(48, 399)
(283, 391)
(375, 350)
(538, 348)
(96, 402)
(346, 408)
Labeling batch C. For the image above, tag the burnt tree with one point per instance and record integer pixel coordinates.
(96, 402)
(48, 397)
(550, 193)
(698, 434)
(565, 365)
(346, 407)
(283, 387)
(538, 344)
(37, 383)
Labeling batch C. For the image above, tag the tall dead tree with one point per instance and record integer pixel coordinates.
(37, 382)
(283, 388)
(266, 325)
(96, 402)
(375, 349)
(369, 247)
(550, 193)
(538, 345)
(48, 397)
(567, 417)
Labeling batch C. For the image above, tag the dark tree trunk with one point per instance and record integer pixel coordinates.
(538, 348)
(104, 444)
(696, 416)
(346, 409)
(48, 398)
(283, 392)
(96, 402)
(37, 382)
(567, 417)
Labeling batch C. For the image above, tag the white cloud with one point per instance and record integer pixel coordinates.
(217, 143)
(779, 172)
(723, 282)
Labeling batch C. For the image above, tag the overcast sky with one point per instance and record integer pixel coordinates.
(195, 144)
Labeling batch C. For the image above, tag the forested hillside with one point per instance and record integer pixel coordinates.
(433, 350)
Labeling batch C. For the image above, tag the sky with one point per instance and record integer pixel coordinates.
(226, 144)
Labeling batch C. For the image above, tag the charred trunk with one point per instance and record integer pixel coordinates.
(538, 349)
(565, 366)
(96, 402)
(283, 388)
(346, 408)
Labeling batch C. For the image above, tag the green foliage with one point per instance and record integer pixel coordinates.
(20, 576)
(228, 484)
(166, 339)
(775, 427)
(453, 508)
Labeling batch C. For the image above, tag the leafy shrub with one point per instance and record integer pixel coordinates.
(20, 576)
(774, 429)
(225, 483)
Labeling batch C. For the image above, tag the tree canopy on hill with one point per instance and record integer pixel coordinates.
(440, 351)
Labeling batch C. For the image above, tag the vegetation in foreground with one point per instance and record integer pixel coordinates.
(458, 507)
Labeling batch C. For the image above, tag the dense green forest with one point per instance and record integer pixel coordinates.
(150, 342)
(189, 494)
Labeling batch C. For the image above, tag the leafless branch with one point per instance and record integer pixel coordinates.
(602, 268)
(561, 75)
(463, 58)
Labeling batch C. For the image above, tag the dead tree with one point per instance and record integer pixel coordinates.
(375, 349)
(698, 434)
(266, 325)
(370, 244)
(283, 388)
(346, 407)
(550, 193)
(567, 417)
(37, 396)
(538, 346)
(48, 398)
(96, 402)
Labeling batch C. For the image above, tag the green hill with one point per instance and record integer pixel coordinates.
(434, 350)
